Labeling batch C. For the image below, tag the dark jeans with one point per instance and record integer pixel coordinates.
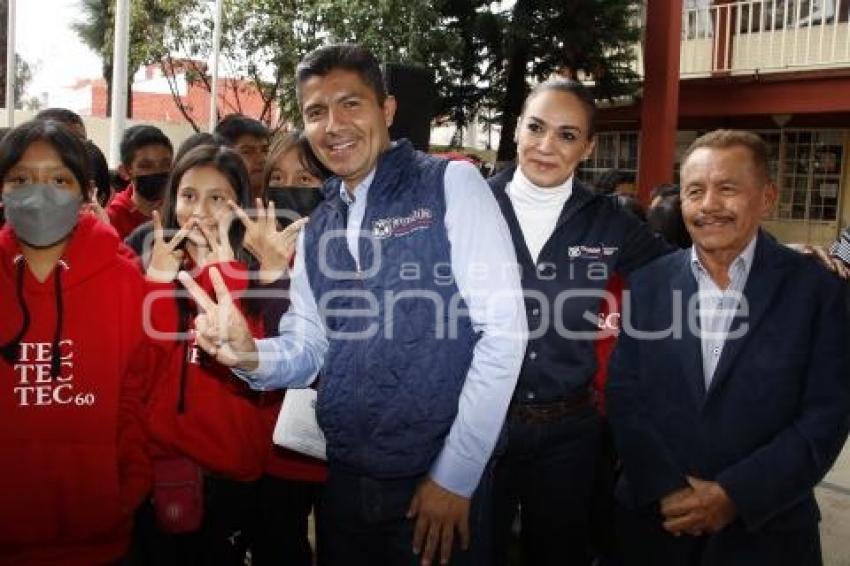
(549, 473)
(279, 535)
(364, 522)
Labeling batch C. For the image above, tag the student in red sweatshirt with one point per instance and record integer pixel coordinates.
(198, 411)
(74, 463)
(146, 155)
(292, 486)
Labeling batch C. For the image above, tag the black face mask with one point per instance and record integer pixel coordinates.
(300, 200)
(151, 187)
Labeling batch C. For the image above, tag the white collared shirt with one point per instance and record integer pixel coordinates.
(717, 307)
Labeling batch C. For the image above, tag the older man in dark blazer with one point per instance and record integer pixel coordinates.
(729, 390)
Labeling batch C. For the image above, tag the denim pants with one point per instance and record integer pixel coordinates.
(364, 522)
(549, 474)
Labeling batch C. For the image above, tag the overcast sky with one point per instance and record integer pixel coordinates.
(55, 53)
(45, 40)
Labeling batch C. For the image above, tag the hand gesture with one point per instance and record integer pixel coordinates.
(220, 329)
(438, 512)
(218, 248)
(93, 207)
(165, 258)
(272, 248)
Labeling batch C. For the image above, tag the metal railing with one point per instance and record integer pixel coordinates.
(747, 36)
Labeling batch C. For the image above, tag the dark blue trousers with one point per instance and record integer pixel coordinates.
(550, 475)
(364, 522)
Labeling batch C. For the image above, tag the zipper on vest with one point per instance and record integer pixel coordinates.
(362, 429)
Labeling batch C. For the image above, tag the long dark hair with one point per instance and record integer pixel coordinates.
(228, 163)
(69, 147)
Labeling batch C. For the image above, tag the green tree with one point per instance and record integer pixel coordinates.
(589, 38)
(148, 20)
(485, 57)
(261, 42)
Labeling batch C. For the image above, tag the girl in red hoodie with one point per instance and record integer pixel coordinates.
(74, 464)
(292, 486)
(198, 410)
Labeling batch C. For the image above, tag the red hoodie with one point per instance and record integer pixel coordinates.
(220, 424)
(609, 329)
(123, 214)
(282, 463)
(74, 462)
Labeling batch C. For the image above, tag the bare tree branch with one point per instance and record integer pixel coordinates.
(171, 79)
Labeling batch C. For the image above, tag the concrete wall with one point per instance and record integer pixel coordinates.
(98, 129)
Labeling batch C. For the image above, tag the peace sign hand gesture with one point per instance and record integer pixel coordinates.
(220, 329)
(272, 248)
(218, 248)
(165, 257)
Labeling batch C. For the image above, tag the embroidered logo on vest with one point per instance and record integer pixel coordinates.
(396, 226)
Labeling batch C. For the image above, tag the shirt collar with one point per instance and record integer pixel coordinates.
(741, 264)
(359, 191)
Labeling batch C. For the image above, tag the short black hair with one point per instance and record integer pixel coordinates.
(631, 204)
(608, 181)
(62, 115)
(69, 147)
(196, 139)
(137, 137)
(99, 171)
(665, 219)
(569, 86)
(349, 57)
(664, 190)
(234, 126)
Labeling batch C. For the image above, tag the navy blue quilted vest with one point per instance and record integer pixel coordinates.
(398, 354)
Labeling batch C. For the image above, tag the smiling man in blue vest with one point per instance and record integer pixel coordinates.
(406, 298)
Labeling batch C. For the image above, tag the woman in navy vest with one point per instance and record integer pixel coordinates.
(572, 246)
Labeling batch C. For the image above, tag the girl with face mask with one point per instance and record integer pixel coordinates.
(199, 414)
(291, 487)
(293, 177)
(75, 361)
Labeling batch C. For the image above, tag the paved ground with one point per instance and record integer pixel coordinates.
(834, 497)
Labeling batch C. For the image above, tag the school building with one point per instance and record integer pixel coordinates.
(777, 67)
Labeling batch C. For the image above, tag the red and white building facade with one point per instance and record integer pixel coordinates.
(153, 97)
(780, 68)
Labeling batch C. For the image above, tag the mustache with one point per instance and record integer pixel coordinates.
(704, 219)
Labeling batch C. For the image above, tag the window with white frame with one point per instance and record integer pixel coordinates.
(614, 150)
(807, 166)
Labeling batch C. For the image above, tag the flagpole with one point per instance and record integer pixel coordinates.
(213, 120)
(119, 80)
(11, 64)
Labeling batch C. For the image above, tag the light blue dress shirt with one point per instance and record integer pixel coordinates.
(717, 307)
(485, 269)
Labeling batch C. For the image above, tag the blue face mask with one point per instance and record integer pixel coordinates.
(41, 215)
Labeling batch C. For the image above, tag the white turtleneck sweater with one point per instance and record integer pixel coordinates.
(537, 209)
